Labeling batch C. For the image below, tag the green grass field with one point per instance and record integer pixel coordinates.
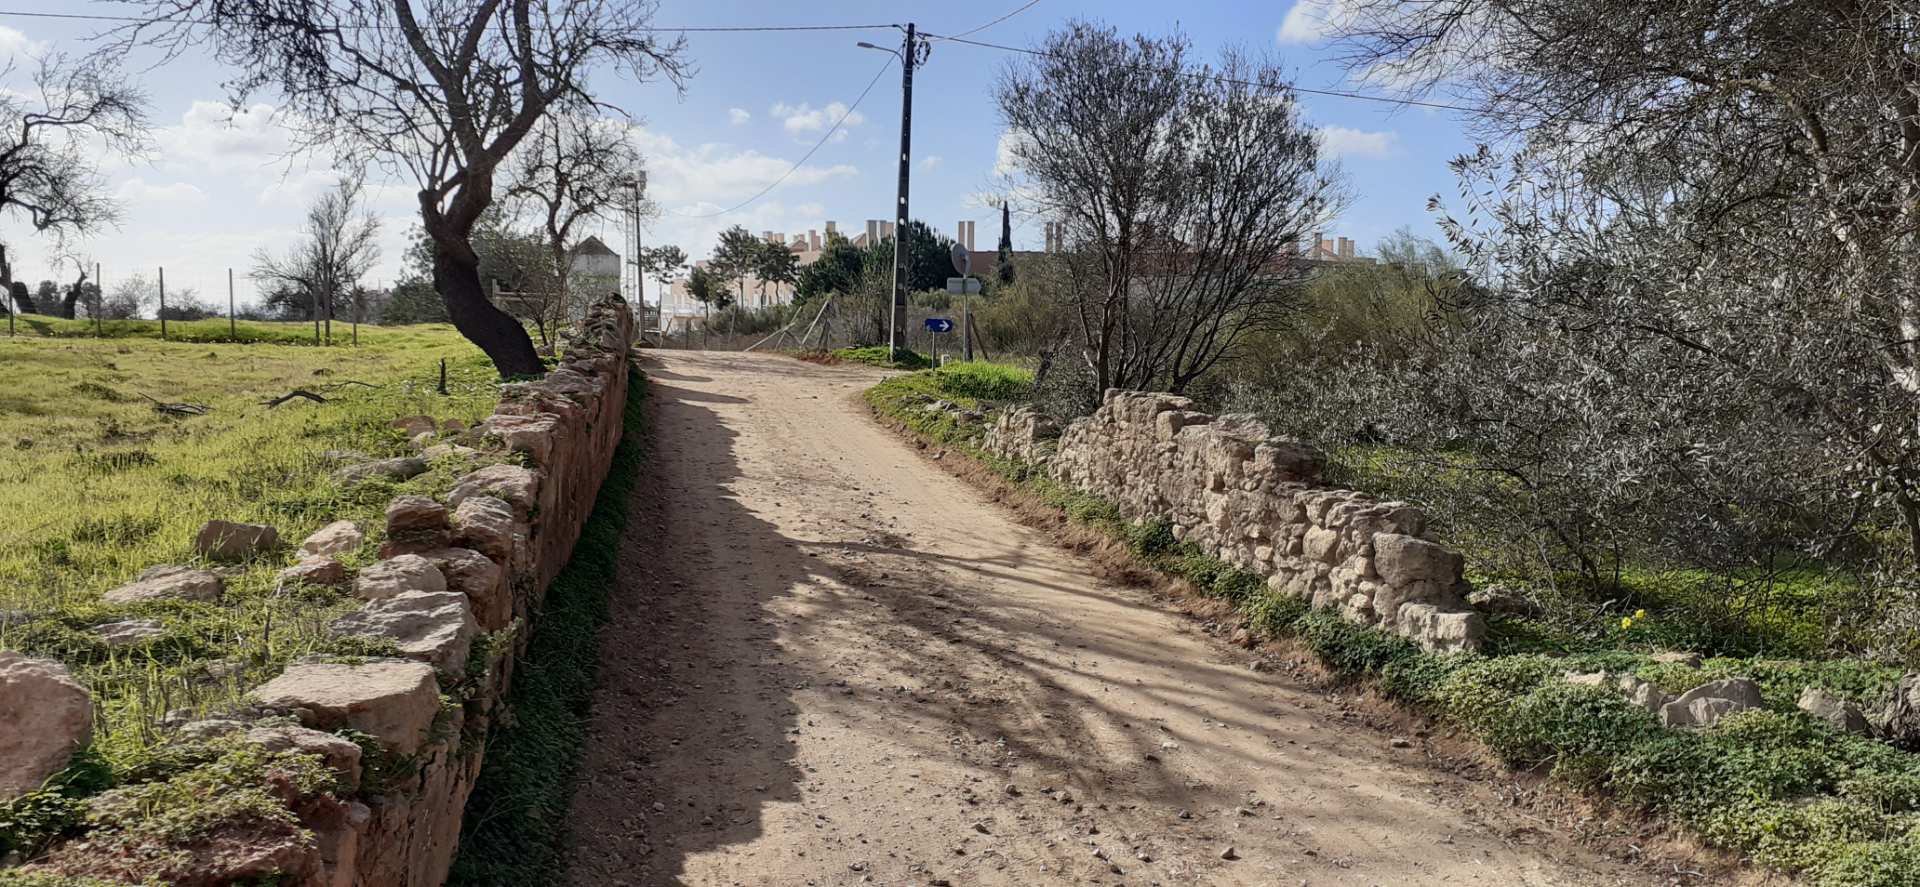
(96, 485)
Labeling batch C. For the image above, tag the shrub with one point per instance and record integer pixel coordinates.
(1353, 649)
(1477, 693)
(1571, 720)
(985, 381)
(878, 355)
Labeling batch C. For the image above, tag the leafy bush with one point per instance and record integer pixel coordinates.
(880, 356)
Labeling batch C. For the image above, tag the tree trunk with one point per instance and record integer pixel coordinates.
(503, 339)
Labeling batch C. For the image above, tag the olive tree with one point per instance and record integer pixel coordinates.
(445, 90)
(1188, 185)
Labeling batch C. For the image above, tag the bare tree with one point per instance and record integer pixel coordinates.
(576, 167)
(49, 145)
(1188, 187)
(447, 96)
(340, 243)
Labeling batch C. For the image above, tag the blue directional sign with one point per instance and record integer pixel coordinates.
(939, 325)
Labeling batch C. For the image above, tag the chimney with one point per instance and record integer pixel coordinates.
(1346, 248)
(886, 230)
(873, 231)
(960, 233)
(813, 240)
(970, 225)
(832, 229)
(1319, 245)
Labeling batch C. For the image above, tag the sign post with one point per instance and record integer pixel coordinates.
(936, 326)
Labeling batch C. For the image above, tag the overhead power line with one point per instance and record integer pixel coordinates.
(803, 158)
(1334, 93)
(968, 33)
(697, 29)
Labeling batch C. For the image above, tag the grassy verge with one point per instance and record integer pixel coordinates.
(1779, 787)
(515, 828)
(98, 486)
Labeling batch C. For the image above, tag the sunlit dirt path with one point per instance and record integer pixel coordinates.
(832, 662)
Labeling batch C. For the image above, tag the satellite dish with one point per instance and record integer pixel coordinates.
(962, 259)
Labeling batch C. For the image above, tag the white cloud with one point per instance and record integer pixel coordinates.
(1310, 21)
(1340, 141)
(738, 116)
(678, 174)
(140, 193)
(804, 118)
(16, 45)
(216, 135)
(930, 161)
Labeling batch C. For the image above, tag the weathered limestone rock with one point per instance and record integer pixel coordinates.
(396, 469)
(398, 575)
(436, 627)
(1404, 560)
(448, 451)
(415, 523)
(485, 524)
(129, 632)
(339, 537)
(1690, 660)
(228, 541)
(483, 582)
(392, 700)
(45, 716)
(1843, 715)
(1503, 600)
(1442, 631)
(413, 425)
(211, 728)
(532, 435)
(169, 582)
(340, 755)
(1900, 723)
(518, 487)
(320, 571)
(1642, 693)
(1705, 705)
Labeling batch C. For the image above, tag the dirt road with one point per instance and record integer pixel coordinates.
(833, 663)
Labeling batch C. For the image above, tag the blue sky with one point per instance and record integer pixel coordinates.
(217, 187)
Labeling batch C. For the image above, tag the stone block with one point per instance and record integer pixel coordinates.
(436, 627)
(398, 575)
(1403, 559)
(1705, 705)
(169, 582)
(393, 470)
(518, 487)
(1827, 706)
(130, 632)
(45, 716)
(319, 571)
(339, 537)
(484, 582)
(340, 755)
(222, 540)
(485, 524)
(392, 700)
(418, 519)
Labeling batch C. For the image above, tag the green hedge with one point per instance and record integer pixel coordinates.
(1776, 785)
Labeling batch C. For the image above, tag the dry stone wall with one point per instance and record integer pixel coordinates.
(1229, 486)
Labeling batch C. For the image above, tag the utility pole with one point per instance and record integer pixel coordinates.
(911, 55)
(231, 334)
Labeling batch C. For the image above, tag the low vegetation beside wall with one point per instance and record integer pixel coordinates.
(1801, 765)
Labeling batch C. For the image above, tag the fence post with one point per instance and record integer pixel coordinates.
(231, 334)
(163, 304)
(99, 300)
